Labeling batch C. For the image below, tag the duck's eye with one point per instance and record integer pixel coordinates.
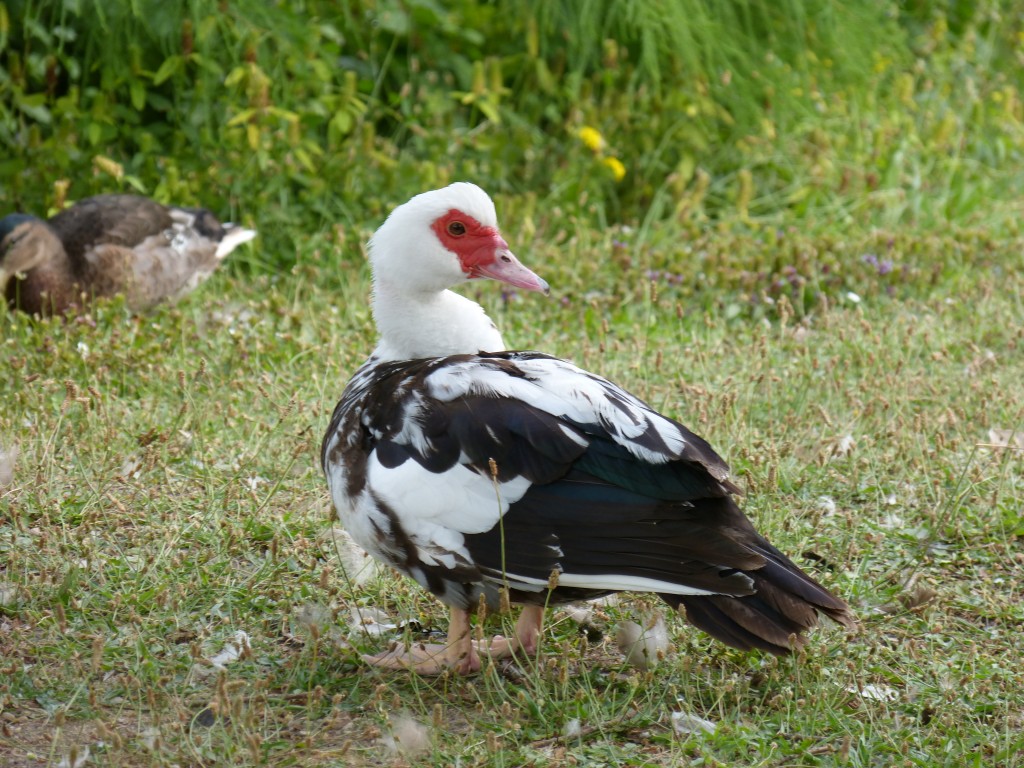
(456, 229)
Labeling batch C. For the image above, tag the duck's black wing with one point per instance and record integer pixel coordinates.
(518, 469)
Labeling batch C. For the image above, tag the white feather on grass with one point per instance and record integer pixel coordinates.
(359, 567)
(643, 646)
(407, 736)
(875, 692)
(75, 758)
(685, 724)
(371, 621)
(232, 651)
(573, 729)
(9, 594)
(8, 458)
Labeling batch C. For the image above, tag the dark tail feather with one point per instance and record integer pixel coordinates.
(785, 604)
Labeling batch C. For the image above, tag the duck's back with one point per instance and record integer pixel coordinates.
(131, 244)
(124, 220)
(108, 245)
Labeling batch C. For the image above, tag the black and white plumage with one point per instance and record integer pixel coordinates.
(470, 468)
(108, 245)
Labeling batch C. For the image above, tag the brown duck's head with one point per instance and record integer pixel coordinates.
(12, 229)
(15, 233)
(26, 243)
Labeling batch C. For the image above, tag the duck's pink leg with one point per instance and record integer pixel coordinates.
(527, 635)
(457, 653)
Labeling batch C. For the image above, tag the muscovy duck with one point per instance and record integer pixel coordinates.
(110, 244)
(474, 470)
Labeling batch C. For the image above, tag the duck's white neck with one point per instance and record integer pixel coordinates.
(416, 324)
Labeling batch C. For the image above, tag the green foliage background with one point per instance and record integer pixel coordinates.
(300, 115)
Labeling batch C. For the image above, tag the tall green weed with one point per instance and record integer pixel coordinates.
(305, 114)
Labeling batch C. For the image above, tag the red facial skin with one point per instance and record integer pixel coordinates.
(475, 247)
(483, 252)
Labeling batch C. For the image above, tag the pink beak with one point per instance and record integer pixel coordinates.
(506, 268)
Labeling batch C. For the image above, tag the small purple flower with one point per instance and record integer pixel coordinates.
(792, 275)
(882, 266)
(657, 276)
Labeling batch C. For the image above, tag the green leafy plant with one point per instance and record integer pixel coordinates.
(867, 115)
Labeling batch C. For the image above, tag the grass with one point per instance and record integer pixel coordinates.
(166, 495)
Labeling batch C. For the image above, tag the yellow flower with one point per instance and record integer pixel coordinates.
(617, 168)
(591, 137)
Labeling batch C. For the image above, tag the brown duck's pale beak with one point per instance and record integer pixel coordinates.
(506, 268)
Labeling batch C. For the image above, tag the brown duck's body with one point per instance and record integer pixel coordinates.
(108, 245)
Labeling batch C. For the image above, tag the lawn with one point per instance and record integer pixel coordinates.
(793, 226)
(161, 495)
